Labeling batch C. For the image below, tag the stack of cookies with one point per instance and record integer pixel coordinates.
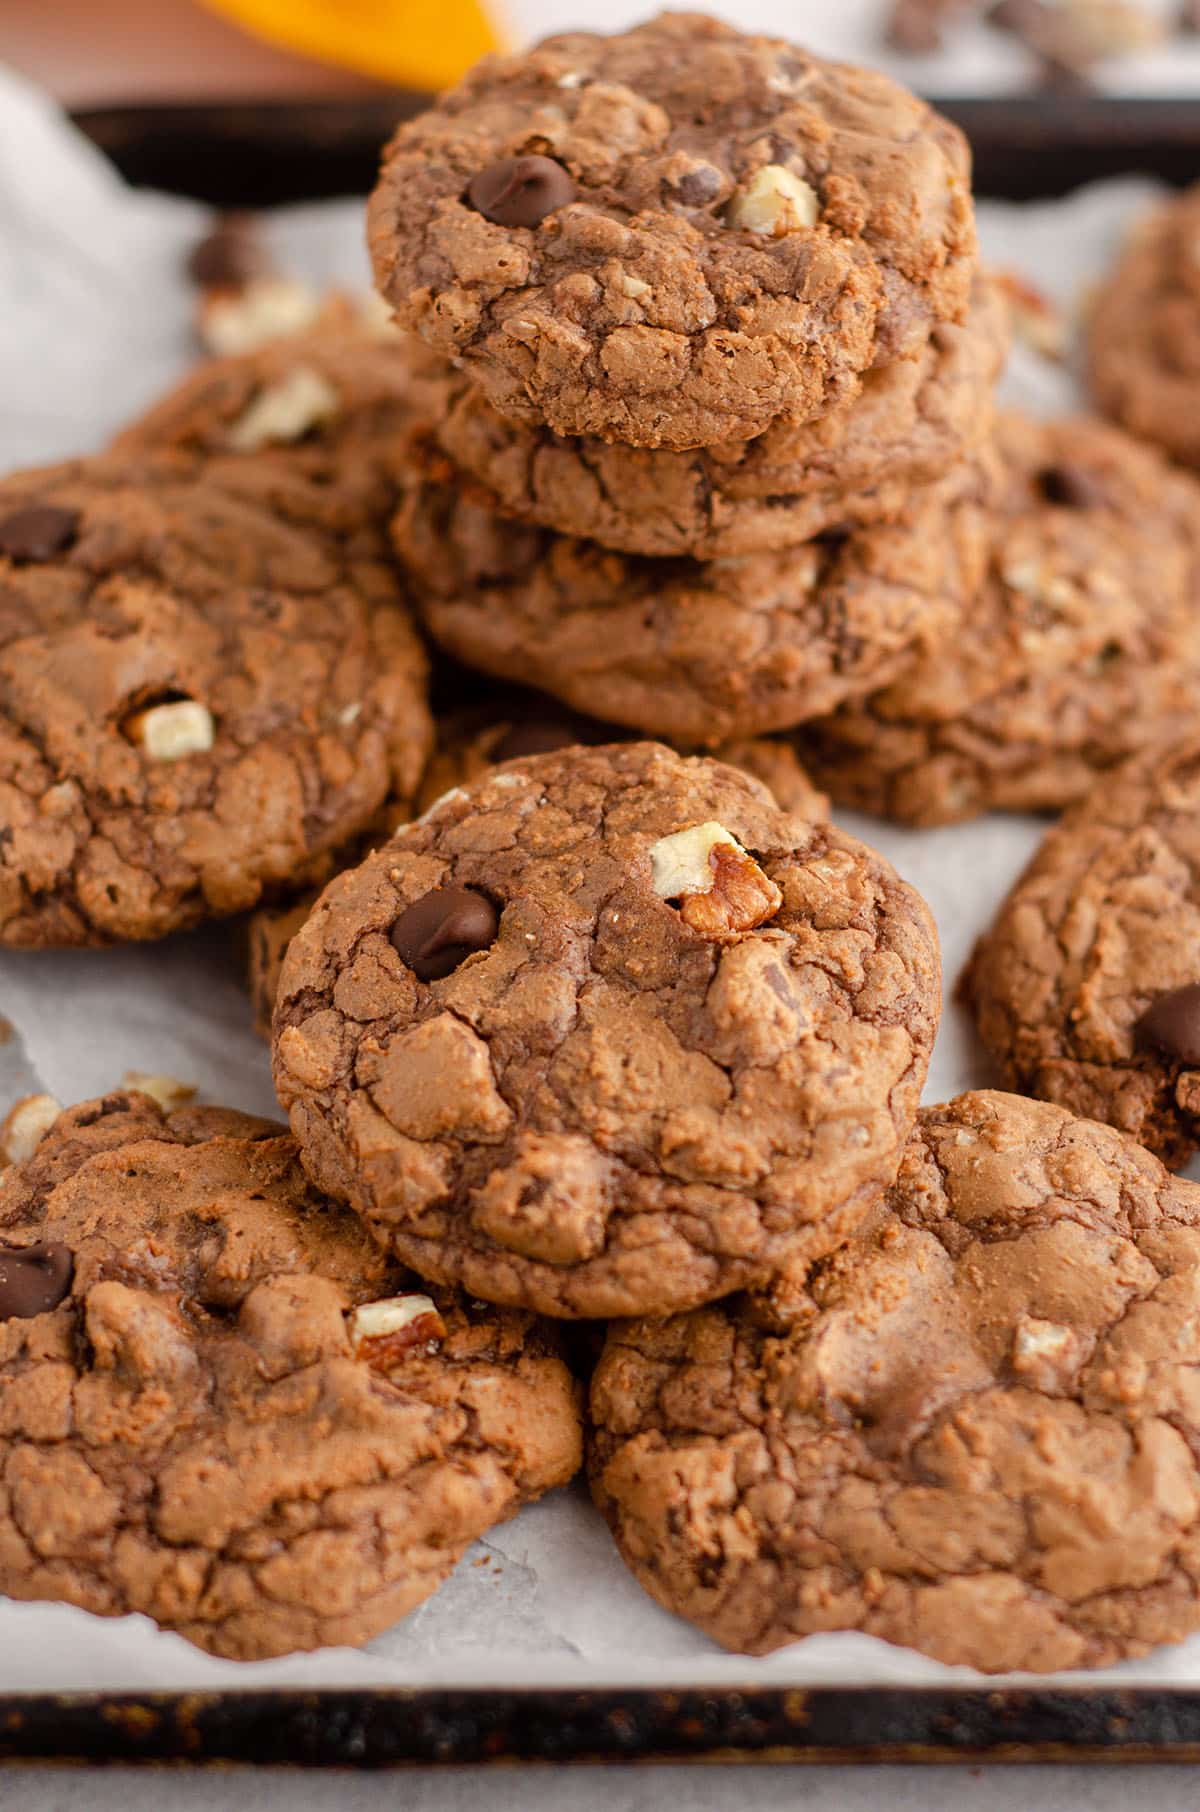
(692, 451)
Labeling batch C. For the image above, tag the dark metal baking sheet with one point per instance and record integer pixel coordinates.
(255, 155)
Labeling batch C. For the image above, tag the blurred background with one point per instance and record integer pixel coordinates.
(93, 53)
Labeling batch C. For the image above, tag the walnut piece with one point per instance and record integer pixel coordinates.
(239, 320)
(384, 1333)
(285, 412)
(168, 1091)
(169, 732)
(720, 888)
(775, 201)
(25, 1125)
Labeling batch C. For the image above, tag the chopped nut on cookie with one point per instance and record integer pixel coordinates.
(382, 1333)
(774, 201)
(720, 889)
(25, 1125)
(171, 731)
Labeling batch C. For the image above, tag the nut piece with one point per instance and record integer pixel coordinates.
(168, 1091)
(25, 1125)
(285, 412)
(1036, 321)
(1045, 1355)
(169, 732)
(239, 319)
(384, 1333)
(721, 890)
(774, 201)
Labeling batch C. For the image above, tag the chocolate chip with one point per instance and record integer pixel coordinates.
(441, 929)
(231, 256)
(536, 737)
(38, 533)
(1172, 1022)
(698, 186)
(914, 27)
(33, 1279)
(520, 191)
(1073, 486)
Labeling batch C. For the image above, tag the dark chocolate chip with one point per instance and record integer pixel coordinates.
(231, 256)
(520, 191)
(536, 737)
(1072, 485)
(33, 1279)
(441, 929)
(1172, 1022)
(38, 533)
(698, 186)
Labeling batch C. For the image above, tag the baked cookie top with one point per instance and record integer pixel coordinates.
(1084, 641)
(676, 235)
(693, 651)
(198, 697)
(606, 1032)
(857, 463)
(470, 743)
(1143, 337)
(226, 1408)
(1087, 987)
(976, 1437)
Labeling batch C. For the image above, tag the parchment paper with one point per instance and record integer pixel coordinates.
(95, 315)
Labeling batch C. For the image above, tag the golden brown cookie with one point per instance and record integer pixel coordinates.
(976, 1436)
(227, 1409)
(676, 235)
(1082, 644)
(607, 1032)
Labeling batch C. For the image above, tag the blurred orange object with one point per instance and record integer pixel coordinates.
(415, 43)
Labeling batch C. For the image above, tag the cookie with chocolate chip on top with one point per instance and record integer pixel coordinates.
(606, 1032)
(1086, 989)
(226, 1408)
(676, 235)
(974, 1432)
(200, 697)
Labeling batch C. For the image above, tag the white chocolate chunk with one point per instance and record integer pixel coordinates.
(285, 412)
(268, 308)
(168, 1091)
(27, 1123)
(169, 732)
(774, 201)
(680, 864)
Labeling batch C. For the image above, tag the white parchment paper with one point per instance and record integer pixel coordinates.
(94, 319)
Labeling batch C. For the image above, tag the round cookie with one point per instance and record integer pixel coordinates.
(692, 651)
(227, 1409)
(1143, 335)
(858, 463)
(327, 414)
(676, 235)
(1083, 642)
(606, 1033)
(469, 744)
(198, 698)
(977, 1435)
(1085, 989)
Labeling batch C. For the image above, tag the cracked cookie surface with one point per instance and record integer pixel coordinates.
(635, 1090)
(199, 697)
(1143, 337)
(693, 651)
(975, 1437)
(858, 463)
(706, 231)
(202, 1428)
(1082, 645)
(469, 743)
(1103, 925)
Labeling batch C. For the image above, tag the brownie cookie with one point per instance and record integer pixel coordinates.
(1087, 987)
(607, 1033)
(198, 698)
(1083, 642)
(469, 744)
(1143, 339)
(977, 1434)
(328, 416)
(674, 236)
(858, 463)
(225, 1408)
(692, 651)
